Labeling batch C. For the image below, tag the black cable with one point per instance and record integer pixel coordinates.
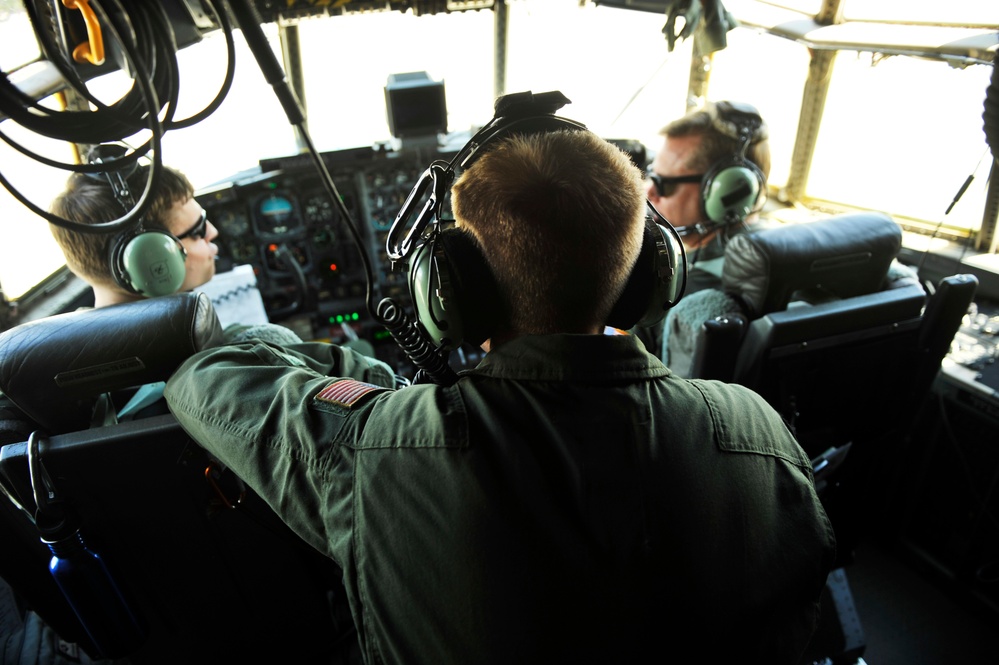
(123, 222)
(145, 36)
(230, 71)
(403, 329)
(414, 343)
(155, 127)
(287, 257)
(119, 120)
(249, 21)
(352, 226)
(387, 313)
(431, 361)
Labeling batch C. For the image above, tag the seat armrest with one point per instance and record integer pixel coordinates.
(811, 328)
(717, 347)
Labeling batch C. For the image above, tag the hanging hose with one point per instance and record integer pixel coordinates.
(145, 37)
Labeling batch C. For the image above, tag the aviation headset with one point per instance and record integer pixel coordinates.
(734, 187)
(455, 295)
(147, 262)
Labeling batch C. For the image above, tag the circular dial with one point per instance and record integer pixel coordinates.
(318, 209)
(231, 224)
(275, 214)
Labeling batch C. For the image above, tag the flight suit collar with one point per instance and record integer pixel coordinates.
(589, 358)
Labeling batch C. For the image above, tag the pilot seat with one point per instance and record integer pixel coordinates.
(844, 343)
(206, 569)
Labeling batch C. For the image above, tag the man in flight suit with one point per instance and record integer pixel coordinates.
(569, 499)
(686, 179)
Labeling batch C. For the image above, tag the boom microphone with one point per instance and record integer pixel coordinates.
(248, 19)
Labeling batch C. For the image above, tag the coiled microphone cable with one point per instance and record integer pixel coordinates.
(414, 344)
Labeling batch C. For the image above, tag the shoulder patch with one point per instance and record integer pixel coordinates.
(346, 392)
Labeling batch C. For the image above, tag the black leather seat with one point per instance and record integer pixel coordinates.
(823, 333)
(846, 355)
(206, 566)
(57, 370)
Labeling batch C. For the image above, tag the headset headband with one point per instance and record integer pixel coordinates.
(523, 112)
(116, 177)
(739, 121)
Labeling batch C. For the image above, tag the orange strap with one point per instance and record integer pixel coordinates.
(91, 51)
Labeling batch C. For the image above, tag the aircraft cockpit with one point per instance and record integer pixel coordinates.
(311, 131)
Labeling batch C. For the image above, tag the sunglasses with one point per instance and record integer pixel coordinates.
(666, 185)
(199, 230)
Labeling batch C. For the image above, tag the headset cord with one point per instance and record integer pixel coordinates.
(287, 257)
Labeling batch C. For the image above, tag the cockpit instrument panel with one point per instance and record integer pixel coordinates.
(279, 219)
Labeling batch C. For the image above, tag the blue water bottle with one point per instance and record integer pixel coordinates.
(92, 592)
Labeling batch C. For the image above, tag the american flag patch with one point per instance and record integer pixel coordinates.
(346, 392)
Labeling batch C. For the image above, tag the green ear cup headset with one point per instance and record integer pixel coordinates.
(147, 262)
(734, 187)
(455, 296)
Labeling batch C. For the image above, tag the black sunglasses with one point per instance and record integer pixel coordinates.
(666, 185)
(199, 230)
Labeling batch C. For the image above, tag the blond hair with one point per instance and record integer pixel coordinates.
(715, 144)
(560, 218)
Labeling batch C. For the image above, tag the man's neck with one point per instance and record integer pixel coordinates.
(105, 296)
(500, 338)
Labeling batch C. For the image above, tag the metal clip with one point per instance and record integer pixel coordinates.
(212, 473)
(41, 483)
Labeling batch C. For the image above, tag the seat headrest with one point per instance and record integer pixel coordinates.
(839, 257)
(54, 368)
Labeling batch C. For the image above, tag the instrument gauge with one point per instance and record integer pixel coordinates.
(244, 252)
(319, 209)
(232, 224)
(275, 214)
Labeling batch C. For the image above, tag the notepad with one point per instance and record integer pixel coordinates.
(236, 297)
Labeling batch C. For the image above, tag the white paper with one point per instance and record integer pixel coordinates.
(236, 297)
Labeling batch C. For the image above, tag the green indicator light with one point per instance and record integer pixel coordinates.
(354, 316)
(332, 320)
(339, 318)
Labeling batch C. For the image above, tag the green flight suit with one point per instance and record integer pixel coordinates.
(569, 500)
